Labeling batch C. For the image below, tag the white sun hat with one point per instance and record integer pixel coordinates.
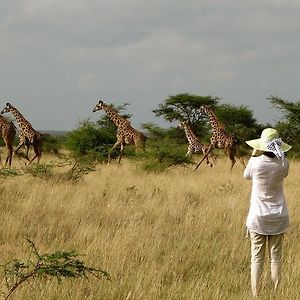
(270, 141)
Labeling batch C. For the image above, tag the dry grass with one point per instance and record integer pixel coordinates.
(175, 235)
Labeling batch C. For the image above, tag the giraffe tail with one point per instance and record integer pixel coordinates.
(144, 137)
(237, 140)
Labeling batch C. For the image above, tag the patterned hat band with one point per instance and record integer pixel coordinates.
(275, 146)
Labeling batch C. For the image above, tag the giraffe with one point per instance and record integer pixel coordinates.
(8, 132)
(220, 138)
(126, 134)
(28, 134)
(195, 146)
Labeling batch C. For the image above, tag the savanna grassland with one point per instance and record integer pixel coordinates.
(178, 234)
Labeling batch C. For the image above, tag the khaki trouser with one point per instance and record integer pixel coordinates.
(259, 243)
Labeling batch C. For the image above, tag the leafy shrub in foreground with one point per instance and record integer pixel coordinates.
(59, 265)
(8, 172)
(39, 170)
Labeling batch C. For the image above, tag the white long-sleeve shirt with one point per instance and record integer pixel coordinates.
(268, 214)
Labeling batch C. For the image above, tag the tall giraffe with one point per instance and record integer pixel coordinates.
(195, 146)
(28, 134)
(126, 134)
(8, 132)
(220, 138)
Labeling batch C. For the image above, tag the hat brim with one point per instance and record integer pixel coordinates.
(261, 145)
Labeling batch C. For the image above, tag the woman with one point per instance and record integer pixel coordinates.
(268, 217)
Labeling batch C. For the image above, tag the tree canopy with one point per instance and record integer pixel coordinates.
(238, 120)
(184, 107)
(289, 125)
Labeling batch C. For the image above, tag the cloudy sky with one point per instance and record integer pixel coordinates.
(59, 57)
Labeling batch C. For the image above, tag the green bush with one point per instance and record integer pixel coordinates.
(8, 172)
(43, 171)
(164, 154)
(60, 265)
(89, 137)
(52, 144)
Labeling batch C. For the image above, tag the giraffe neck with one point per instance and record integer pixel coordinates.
(22, 122)
(189, 134)
(117, 119)
(214, 122)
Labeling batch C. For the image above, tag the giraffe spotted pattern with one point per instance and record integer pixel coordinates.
(126, 134)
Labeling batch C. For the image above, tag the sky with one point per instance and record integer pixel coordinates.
(59, 57)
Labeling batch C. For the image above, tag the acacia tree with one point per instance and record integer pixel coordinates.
(237, 120)
(289, 125)
(185, 107)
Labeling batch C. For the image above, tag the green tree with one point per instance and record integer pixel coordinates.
(185, 107)
(239, 121)
(289, 125)
(157, 133)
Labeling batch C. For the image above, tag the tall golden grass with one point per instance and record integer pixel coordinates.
(174, 235)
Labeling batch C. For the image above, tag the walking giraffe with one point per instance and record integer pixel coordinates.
(8, 132)
(195, 146)
(27, 133)
(126, 134)
(220, 138)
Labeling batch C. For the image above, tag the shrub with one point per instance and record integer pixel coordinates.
(164, 154)
(39, 170)
(52, 144)
(89, 137)
(59, 265)
(8, 172)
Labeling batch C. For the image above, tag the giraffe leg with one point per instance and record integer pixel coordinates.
(232, 163)
(33, 159)
(230, 152)
(9, 155)
(121, 153)
(26, 146)
(18, 148)
(36, 152)
(22, 143)
(207, 157)
(214, 159)
(25, 143)
(240, 157)
(110, 151)
(189, 152)
(208, 162)
(211, 146)
(40, 154)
